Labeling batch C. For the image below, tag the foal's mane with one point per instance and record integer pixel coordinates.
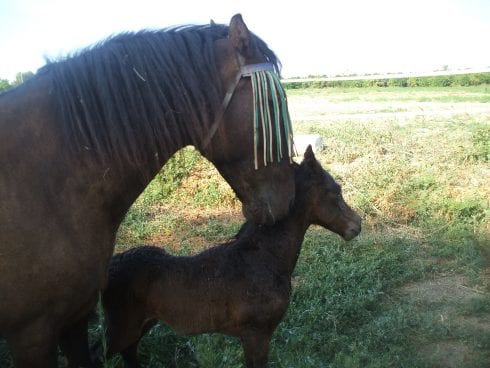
(137, 96)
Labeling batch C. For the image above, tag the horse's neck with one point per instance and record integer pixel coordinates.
(121, 189)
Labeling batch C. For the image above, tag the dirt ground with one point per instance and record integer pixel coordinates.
(449, 292)
(324, 109)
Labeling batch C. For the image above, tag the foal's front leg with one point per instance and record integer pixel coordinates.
(256, 348)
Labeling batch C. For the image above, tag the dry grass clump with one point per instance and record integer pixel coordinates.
(400, 173)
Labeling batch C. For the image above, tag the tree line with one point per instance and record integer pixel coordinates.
(430, 81)
(20, 78)
(457, 80)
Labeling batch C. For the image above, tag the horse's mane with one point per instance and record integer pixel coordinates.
(134, 97)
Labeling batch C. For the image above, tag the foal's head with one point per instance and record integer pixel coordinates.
(321, 197)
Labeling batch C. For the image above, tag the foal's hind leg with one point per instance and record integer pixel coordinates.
(34, 346)
(256, 348)
(130, 353)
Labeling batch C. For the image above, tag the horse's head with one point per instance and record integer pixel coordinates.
(322, 198)
(266, 189)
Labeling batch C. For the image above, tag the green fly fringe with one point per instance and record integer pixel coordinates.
(271, 120)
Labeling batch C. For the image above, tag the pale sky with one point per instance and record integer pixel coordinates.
(310, 37)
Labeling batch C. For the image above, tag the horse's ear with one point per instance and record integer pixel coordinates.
(240, 36)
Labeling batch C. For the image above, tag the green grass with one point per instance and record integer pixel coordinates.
(411, 291)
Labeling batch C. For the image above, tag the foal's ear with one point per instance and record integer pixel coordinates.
(240, 36)
(309, 159)
(309, 155)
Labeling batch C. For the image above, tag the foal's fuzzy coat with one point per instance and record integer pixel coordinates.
(241, 288)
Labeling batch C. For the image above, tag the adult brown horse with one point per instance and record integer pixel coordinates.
(82, 139)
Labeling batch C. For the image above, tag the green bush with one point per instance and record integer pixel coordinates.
(171, 176)
(459, 80)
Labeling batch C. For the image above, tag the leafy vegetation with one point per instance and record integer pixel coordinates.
(19, 79)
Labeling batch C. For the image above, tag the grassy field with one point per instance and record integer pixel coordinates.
(413, 290)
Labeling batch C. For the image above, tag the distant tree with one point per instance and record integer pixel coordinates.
(21, 77)
(4, 85)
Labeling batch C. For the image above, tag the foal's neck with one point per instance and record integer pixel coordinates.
(287, 237)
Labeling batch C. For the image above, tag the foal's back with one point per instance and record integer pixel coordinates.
(214, 291)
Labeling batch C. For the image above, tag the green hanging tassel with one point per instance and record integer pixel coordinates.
(271, 125)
